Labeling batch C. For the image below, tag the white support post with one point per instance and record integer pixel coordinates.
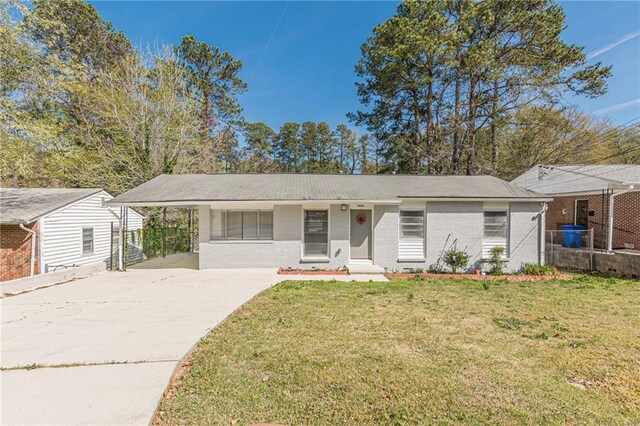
(611, 210)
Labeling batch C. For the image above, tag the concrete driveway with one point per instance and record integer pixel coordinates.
(105, 347)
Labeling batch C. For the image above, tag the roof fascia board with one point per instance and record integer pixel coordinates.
(504, 199)
(196, 203)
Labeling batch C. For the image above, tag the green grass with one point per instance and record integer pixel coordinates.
(420, 352)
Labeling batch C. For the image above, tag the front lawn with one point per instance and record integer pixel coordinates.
(419, 352)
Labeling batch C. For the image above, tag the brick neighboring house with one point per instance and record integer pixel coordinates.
(42, 229)
(587, 195)
(15, 251)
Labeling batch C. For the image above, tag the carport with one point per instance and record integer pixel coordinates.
(123, 237)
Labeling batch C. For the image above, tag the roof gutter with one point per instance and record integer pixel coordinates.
(511, 199)
(120, 252)
(32, 259)
(542, 227)
(195, 203)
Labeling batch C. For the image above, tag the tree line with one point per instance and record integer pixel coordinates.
(308, 148)
(80, 106)
(446, 87)
(448, 84)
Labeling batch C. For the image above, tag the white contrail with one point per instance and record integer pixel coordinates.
(617, 107)
(269, 40)
(613, 45)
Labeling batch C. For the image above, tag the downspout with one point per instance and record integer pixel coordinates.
(32, 260)
(542, 235)
(611, 201)
(120, 266)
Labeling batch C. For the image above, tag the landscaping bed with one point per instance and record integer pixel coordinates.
(433, 351)
(507, 277)
(286, 271)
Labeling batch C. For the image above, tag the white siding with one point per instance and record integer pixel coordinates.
(62, 232)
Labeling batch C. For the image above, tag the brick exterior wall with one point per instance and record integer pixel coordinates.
(15, 251)
(626, 226)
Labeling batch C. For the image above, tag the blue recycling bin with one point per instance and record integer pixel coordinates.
(572, 235)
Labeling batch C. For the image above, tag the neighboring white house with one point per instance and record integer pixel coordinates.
(363, 222)
(48, 229)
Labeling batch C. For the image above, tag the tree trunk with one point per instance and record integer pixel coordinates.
(457, 149)
(428, 134)
(471, 128)
(494, 141)
(415, 156)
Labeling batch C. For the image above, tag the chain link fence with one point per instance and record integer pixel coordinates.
(570, 249)
(148, 243)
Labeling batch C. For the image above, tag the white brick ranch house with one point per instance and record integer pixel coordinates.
(328, 221)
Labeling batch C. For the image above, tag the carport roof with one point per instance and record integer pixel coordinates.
(559, 179)
(24, 205)
(191, 189)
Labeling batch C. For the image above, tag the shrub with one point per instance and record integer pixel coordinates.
(496, 260)
(539, 270)
(455, 258)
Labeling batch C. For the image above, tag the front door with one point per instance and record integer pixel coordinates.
(360, 234)
(582, 213)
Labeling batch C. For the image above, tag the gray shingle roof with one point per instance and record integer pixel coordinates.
(566, 179)
(301, 187)
(24, 205)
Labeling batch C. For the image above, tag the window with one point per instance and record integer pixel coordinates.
(496, 231)
(87, 240)
(316, 233)
(265, 227)
(411, 241)
(411, 224)
(242, 225)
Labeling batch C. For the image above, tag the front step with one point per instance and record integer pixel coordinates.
(364, 268)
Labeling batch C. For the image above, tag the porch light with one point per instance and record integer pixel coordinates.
(343, 207)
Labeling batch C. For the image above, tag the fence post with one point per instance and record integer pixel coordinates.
(111, 248)
(551, 249)
(591, 249)
(164, 227)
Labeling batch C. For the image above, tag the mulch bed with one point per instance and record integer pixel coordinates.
(479, 277)
(283, 271)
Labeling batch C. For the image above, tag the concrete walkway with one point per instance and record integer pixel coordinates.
(109, 343)
(104, 347)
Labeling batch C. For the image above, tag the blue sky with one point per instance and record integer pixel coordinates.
(299, 57)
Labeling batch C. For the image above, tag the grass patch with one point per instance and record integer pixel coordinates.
(419, 352)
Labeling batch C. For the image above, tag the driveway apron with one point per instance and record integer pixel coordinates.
(101, 350)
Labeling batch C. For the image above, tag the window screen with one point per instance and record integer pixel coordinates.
(316, 233)
(496, 231)
(495, 224)
(411, 224)
(266, 225)
(241, 225)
